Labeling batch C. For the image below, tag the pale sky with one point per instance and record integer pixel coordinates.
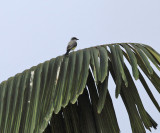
(34, 31)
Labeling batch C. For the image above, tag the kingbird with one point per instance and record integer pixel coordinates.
(71, 45)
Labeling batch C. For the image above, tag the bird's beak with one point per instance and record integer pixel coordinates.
(77, 39)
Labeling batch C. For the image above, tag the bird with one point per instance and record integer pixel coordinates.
(71, 45)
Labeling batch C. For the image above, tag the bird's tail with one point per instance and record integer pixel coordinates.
(67, 52)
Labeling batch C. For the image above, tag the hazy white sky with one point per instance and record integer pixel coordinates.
(33, 31)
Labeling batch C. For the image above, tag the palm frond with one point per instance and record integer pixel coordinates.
(79, 84)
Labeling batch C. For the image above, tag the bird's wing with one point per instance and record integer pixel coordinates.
(71, 45)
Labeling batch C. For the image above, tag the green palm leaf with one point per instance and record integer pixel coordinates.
(79, 84)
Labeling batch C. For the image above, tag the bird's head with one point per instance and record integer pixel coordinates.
(74, 38)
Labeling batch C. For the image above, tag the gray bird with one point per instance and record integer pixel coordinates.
(71, 45)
